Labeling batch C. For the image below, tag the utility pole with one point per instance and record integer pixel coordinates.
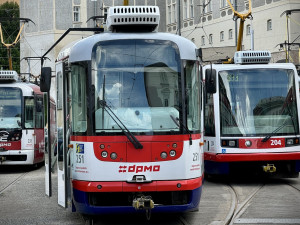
(178, 17)
(125, 2)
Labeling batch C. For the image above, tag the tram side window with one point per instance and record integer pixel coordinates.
(29, 112)
(79, 112)
(209, 117)
(193, 92)
(39, 113)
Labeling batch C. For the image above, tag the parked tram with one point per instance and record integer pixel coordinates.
(129, 108)
(21, 121)
(252, 116)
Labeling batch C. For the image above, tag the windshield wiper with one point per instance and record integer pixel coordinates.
(275, 131)
(125, 130)
(176, 120)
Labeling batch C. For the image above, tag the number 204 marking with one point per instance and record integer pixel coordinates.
(275, 142)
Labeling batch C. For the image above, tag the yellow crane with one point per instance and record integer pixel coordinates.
(7, 45)
(242, 18)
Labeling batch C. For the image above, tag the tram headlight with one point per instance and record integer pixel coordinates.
(113, 155)
(248, 143)
(289, 141)
(174, 145)
(172, 153)
(104, 154)
(163, 155)
(231, 143)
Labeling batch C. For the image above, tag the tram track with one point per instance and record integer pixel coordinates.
(238, 207)
(13, 182)
(241, 204)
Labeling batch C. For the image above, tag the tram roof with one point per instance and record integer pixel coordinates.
(252, 66)
(82, 50)
(27, 88)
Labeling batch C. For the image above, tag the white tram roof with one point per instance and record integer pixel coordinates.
(27, 88)
(252, 66)
(82, 50)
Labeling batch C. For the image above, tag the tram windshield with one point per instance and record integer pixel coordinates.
(140, 80)
(257, 102)
(10, 107)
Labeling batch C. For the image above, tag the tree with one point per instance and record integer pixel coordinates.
(9, 14)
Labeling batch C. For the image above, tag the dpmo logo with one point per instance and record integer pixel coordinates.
(139, 169)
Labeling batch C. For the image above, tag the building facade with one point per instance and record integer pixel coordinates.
(208, 23)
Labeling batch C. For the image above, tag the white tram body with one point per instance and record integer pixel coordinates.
(252, 117)
(21, 121)
(129, 107)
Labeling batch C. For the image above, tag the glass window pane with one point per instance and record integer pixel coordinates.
(10, 107)
(193, 96)
(29, 113)
(79, 112)
(257, 102)
(139, 80)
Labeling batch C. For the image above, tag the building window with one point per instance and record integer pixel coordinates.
(208, 7)
(222, 36)
(170, 14)
(248, 29)
(203, 40)
(191, 8)
(269, 25)
(76, 13)
(210, 39)
(230, 34)
(185, 9)
(174, 11)
(223, 3)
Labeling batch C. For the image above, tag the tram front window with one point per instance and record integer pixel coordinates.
(257, 102)
(140, 81)
(10, 107)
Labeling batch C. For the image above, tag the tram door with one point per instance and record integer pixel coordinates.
(63, 133)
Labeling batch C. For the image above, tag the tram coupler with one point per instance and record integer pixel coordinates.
(144, 203)
(269, 168)
(2, 159)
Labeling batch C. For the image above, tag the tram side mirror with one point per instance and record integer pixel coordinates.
(45, 81)
(199, 53)
(210, 81)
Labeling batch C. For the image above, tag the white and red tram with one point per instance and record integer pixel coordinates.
(129, 111)
(252, 116)
(21, 121)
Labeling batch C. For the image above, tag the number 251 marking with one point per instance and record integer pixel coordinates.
(79, 158)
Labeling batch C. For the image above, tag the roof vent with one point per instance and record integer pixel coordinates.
(8, 75)
(133, 18)
(252, 57)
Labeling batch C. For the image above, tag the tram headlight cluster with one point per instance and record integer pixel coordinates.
(113, 155)
(15, 137)
(172, 152)
(164, 155)
(291, 141)
(230, 143)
